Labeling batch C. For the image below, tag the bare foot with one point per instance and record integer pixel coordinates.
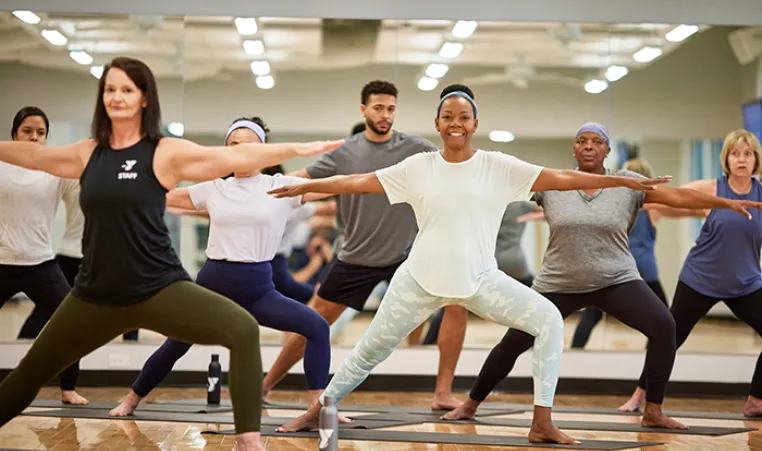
(126, 407)
(547, 432)
(753, 407)
(313, 397)
(635, 402)
(249, 441)
(653, 417)
(466, 411)
(445, 402)
(74, 398)
(307, 422)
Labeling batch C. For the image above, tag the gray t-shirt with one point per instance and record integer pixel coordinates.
(510, 257)
(376, 233)
(588, 247)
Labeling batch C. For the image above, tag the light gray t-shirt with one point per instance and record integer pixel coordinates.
(510, 257)
(376, 233)
(588, 247)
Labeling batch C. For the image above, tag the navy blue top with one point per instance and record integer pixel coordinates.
(725, 261)
(642, 246)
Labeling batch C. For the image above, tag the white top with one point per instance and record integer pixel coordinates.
(71, 243)
(458, 208)
(28, 203)
(245, 223)
(291, 233)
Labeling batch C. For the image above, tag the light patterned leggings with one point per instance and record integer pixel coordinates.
(500, 299)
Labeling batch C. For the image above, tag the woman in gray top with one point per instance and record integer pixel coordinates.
(588, 263)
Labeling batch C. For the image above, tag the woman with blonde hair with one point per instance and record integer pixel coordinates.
(723, 265)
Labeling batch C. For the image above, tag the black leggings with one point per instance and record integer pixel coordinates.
(689, 306)
(591, 316)
(70, 267)
(46, 286)
(632, 303)
(435, 323)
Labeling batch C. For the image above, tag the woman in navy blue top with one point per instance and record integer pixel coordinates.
(724, 264)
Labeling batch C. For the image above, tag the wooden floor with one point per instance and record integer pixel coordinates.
(69, 434)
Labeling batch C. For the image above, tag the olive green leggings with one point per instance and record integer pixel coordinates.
(183, 311)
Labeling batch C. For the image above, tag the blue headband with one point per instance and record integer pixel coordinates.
(598, 129)
(253, 126)
(459, 94)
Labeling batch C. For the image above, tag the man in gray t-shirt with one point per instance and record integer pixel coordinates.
(377, 237)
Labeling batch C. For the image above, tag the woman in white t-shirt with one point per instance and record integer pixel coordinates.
(246, 226)
(459, 196)
(29, 200)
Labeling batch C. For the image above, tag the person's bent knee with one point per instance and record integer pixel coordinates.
(244, 330)
(663, 327)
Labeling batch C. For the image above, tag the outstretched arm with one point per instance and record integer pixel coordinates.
(695, 199)
(179, 199)
(659, 210)
(566, 180)
(338, 184)
(61, 161)
(186, 160)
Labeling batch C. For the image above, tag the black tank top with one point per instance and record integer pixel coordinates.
(127, 252)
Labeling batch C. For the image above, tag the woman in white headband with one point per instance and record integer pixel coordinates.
(246, 226)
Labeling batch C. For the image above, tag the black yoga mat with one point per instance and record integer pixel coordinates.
(144, 407)
(568, 424)
(349, 408)
(444, 438)
(489, 407)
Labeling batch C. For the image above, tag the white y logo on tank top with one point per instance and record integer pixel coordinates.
(128, 174)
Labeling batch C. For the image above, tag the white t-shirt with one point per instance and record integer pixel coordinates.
(291, 232)
(28, 203)
(458, 208)
(245, 223)
(71, 243)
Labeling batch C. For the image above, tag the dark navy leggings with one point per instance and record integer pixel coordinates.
(285, 283)
(251, 286)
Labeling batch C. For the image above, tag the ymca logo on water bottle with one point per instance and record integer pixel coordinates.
(212, 383)
(325, 436)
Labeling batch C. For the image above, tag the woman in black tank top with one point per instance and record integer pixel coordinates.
(130, 276)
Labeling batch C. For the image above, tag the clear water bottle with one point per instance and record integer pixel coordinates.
(214, 381)
(329, 425)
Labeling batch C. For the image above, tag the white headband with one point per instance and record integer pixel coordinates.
(253, 126)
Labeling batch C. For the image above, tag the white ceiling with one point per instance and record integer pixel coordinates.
(203, 47)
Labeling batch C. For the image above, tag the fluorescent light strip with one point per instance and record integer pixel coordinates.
(427, 83)
(54, 37)
(451, 49)
(464, 28)
(647, 54)
(260, 67)
(254, 48)
(596, 86)
(501, 136)
(681, 33)
(437, 70)
(265, 82)
(246, 25)
(27, 17)
(614, 73)
(81, 57)
(97, 71)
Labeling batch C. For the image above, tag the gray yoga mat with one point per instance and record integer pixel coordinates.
(613, 411)
(567, 424)
(445, 438)
(351, 408)
(144, 407)
(185, 417)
